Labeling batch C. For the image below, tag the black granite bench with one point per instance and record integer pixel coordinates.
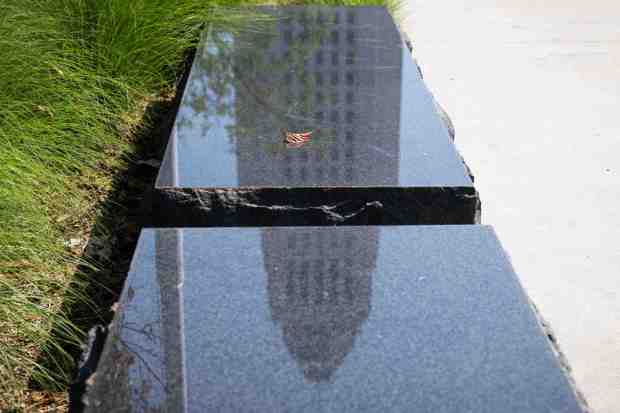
(309, 116)
(319, 116)
(334, 319)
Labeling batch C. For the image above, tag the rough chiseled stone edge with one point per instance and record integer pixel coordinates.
(443, 115)
(554, 345)
(87, 366)
(205, 207)
(441, 112)
(560, 356)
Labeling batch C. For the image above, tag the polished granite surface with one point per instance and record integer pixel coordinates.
(308, 97)
(334, 319)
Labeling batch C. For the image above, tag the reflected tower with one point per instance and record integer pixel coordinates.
(320, 289)
(337, 73)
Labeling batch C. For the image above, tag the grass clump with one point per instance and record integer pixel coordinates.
(71, 72)
(74, 79)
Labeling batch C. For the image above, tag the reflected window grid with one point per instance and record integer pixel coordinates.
(331, 70)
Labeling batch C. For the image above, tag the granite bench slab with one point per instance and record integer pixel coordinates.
(309, 116)
(334, 319)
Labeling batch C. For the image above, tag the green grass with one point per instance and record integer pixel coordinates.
(74, 76)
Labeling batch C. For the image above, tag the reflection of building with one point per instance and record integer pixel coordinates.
(169, 269)
(319, 286)
(346, 90)
(152, 331)
(143, 366)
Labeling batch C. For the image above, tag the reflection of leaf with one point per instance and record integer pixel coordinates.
(296, 140)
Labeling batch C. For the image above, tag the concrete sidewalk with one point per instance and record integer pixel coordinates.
(534, 93)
